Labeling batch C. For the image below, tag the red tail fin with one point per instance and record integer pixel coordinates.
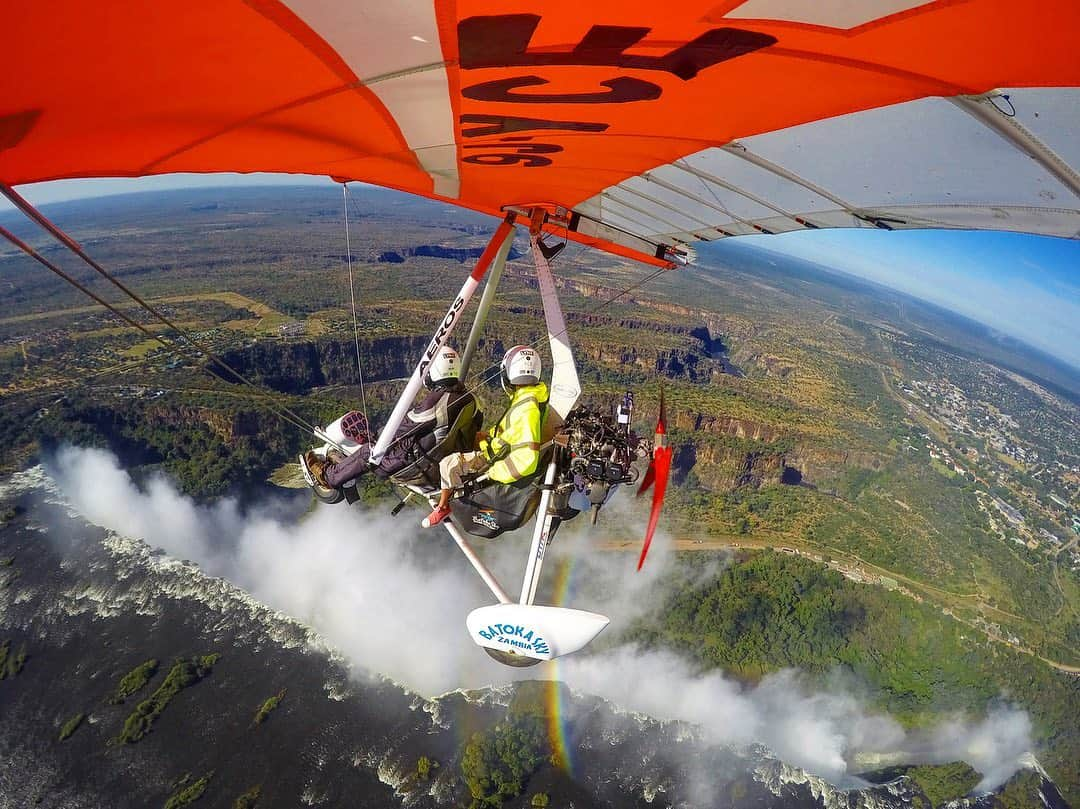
(662, 462)
(658, 473)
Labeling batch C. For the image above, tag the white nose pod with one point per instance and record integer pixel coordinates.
(542, 633)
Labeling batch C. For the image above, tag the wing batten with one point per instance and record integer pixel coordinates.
(983, 110)
(703, 176)
(647, 212)
(628, 188)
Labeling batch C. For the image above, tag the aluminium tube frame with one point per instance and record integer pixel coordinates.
(486, 301)
(541, 534)
(503, 233)
(478, 565)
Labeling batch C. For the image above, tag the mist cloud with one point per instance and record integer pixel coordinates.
(393, 599)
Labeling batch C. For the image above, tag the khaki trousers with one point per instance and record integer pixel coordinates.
(456, 465)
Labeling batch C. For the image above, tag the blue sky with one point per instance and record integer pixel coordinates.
(1025, 286)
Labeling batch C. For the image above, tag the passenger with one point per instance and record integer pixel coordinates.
(423, 427)
(512, 450)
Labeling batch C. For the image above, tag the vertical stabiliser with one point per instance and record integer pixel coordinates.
(657, 475)
(565, 386)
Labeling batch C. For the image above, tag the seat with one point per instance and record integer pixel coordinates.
(499, 507)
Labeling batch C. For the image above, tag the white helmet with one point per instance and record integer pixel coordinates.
(445, 367)
(521, 366)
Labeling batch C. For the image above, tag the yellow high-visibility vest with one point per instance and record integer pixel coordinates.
(513, 445)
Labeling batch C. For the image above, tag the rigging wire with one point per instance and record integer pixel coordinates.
(490, 373)
(352, 300)
(482, 378)
(34, 254)
(496, 367)
(280, 410)
(31, 212)
(712, 192)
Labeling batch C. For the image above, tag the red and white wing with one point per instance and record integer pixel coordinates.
(648, 124)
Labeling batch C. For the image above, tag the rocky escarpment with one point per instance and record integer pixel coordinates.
(706, 353)
(722, 450)
(229, 427)
(718, 424)
(459, 254)
(725, 463)
(299, 367)
(725, 452)
(690, 364)
(722, 466)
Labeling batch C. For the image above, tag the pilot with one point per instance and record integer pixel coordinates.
(423, 427)
(511, 451)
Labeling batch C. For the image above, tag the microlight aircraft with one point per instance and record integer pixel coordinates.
(633, 127)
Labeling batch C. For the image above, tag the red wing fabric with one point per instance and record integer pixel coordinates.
(649, 124)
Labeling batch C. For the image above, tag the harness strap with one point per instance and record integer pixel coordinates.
(498, 428)
(480, 480)
(442, 411)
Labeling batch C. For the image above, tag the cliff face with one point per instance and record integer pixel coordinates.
(725, 452)
(229, 427)
(761, 453)
(298, 367)
(820, 465)
(459, 254)
(703, 358)
(725, 425)
(722, 468)
(690, 364)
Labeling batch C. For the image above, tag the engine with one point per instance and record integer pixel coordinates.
(601, 451)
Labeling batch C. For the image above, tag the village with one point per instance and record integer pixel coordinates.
(979, 441)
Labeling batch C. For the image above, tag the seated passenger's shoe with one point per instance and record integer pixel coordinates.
(354, 426)
(317, 467)
(436, 517)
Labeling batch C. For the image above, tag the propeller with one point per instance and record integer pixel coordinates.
(658, 473)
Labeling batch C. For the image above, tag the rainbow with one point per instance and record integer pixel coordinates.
(558, 729)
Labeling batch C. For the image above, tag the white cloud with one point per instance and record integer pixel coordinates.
(393, 600)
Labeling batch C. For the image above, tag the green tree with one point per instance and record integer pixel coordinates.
(248, 799)
(941, 783)
(269, 706)
(497, 763)
(424, 766)
(134, 680)
(189, 794)
(71, 726)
